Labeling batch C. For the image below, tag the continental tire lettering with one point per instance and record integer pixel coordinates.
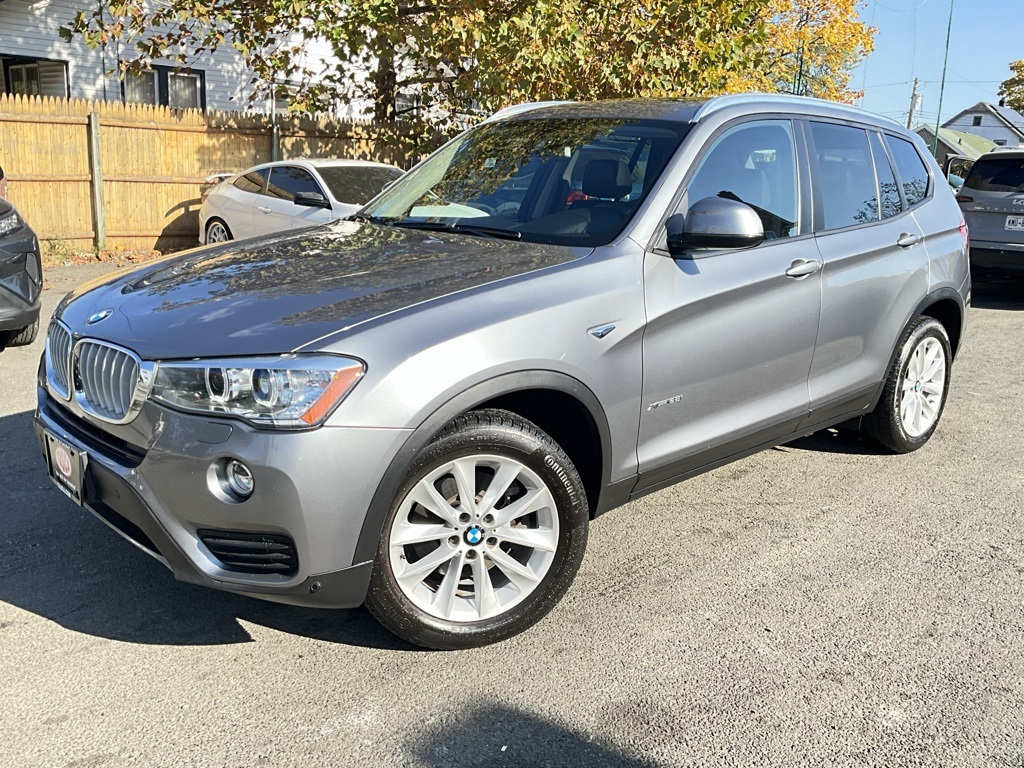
(551, 462)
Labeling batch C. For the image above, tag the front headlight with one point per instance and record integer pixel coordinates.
(291, 391)
(10, 222)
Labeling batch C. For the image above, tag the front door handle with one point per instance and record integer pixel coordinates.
(907, 240)
(261, 209)
(803, 267)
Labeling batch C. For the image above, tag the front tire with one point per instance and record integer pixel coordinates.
(915, 389)
(484, 537)
(25, 336)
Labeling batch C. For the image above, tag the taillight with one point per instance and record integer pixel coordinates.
(964, 233)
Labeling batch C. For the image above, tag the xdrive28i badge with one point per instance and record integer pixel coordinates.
(99, 316)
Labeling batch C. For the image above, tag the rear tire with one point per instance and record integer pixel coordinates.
(217, 231)
(915, 389)
(450, 574)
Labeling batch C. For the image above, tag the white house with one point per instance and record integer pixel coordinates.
(997, 123)
(35, 60)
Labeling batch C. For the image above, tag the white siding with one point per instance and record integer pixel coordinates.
(30, 28)
(991, 128)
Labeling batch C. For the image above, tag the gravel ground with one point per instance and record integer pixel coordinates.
(816, 604)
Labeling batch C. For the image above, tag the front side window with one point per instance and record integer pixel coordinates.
(911, 170)
(252, 181)
(286, 181)
(846, 175)
(357, 184)
(753, 163)
(997, 174)
(562, 180)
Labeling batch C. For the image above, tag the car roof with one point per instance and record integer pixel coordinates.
(695, 111)
(322, 162)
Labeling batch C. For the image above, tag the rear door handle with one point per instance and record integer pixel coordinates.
(803, 267)
(906, 240)
(261, 209)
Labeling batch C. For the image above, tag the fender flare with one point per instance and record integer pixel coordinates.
(373, 522)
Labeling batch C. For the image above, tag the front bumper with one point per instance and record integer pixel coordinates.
(20, 280)
(313, 487)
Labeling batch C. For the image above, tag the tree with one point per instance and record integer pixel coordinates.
(811, 49)
(466, 54)
(1013, 87)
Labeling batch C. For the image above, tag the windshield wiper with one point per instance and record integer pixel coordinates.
(367, 217)
(466, 229)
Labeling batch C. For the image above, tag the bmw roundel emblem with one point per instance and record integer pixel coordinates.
(474, 535)
(93, 319)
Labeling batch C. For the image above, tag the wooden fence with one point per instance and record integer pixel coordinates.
(95, 174)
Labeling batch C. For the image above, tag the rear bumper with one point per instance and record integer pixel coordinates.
(997, 258)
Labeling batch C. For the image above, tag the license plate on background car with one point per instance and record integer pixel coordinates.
(1015, 222)
(66, 467)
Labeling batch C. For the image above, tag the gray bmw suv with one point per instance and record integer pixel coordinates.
(565, 308)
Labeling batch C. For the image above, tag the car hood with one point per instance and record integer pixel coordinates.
(273, 295)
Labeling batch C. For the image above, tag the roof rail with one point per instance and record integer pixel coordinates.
(518, 109)
(717, 103)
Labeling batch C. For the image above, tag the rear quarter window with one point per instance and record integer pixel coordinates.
(997, 174)
(911, 170)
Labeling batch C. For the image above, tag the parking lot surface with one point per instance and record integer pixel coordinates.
(815, 604)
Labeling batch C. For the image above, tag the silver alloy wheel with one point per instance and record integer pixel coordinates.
(923, 385)
(217, 233)
(473, 538)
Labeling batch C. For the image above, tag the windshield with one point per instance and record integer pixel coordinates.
(357, 184)
(997, 174)
(550, 180)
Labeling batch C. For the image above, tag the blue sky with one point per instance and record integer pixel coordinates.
(987, 35)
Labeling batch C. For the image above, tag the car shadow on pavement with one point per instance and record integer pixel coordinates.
(833, 441)
(60, 562)
(497, 735)
(998, 294)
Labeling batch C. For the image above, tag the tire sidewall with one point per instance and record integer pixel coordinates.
(924, 329)
(551, 464)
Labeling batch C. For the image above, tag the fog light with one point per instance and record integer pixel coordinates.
(239, 478)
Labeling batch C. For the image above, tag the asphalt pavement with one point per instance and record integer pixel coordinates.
(816, 604)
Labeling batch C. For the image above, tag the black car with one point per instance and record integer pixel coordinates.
(21, 279)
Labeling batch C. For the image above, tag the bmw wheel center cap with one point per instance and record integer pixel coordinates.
(474, 534)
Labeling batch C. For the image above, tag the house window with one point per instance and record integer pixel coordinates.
(977, 121)
(141, 87)
(165, 86)
(23, 79)
(183, 90)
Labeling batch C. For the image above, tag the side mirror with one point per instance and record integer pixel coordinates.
(714, 222)
(311, 200)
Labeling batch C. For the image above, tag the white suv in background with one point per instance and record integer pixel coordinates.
(289, 194)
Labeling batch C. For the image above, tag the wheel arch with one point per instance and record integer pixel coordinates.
(543, 397)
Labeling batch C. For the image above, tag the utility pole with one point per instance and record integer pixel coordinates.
(915, 104)
(942, 88)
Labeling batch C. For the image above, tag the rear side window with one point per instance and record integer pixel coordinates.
(846, 175)
(252, 181)
(287, 181)
(890, 193)
(356, 184)
(997, 174)
(913, 175)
